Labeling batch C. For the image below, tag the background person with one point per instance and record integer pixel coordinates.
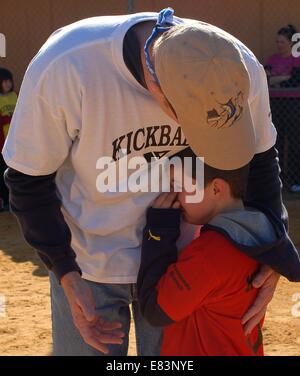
(8, 101)
(283, 70)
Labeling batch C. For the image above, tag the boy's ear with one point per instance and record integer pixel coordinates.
(215, 187)
(218, 186)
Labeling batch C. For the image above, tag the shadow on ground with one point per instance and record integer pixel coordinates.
(12, 243)
(292, 203)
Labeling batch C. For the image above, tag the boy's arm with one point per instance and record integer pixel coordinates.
(158, 252)
(170, 289)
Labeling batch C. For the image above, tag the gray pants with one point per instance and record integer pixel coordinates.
(112, 302)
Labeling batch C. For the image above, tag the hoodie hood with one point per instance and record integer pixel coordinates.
(258, 233)
(248, 227)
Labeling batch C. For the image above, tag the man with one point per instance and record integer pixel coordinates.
(89, 93)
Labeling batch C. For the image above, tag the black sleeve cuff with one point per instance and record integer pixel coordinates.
(64, 266)
(163, 218)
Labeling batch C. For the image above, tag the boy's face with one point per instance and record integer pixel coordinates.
(6, 86)
(197, 213)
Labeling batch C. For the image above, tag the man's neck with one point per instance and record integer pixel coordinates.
(143, 31)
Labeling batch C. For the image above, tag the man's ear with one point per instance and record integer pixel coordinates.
(156, 91)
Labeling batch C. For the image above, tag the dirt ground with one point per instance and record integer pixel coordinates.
(25, 326)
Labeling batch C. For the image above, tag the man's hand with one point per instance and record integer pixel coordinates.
(266, 280)
(92, 328)
(166, 201)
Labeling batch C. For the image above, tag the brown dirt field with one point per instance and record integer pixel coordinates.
(26, 329)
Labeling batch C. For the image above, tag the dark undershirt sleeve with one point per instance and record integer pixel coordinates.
(264, 184)
(35, 203)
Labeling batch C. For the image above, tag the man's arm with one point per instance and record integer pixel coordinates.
(34, 201)
(264, 188)
(264, 184)
(40, 139)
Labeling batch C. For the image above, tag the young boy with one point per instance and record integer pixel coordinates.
(202, 294)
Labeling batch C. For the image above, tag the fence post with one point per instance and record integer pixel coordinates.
(130, 6)
(2, 45)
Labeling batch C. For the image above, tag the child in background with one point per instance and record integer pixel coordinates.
(8, 101)
(201, 295)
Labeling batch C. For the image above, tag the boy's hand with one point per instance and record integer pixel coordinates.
(166, 201)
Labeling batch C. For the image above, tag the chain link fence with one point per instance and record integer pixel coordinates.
(286, 118)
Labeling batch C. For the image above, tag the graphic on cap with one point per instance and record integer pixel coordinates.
(229, 113)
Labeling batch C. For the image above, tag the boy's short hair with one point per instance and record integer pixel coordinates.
(236, 179)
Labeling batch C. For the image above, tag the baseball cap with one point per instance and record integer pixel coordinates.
(203, 75)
